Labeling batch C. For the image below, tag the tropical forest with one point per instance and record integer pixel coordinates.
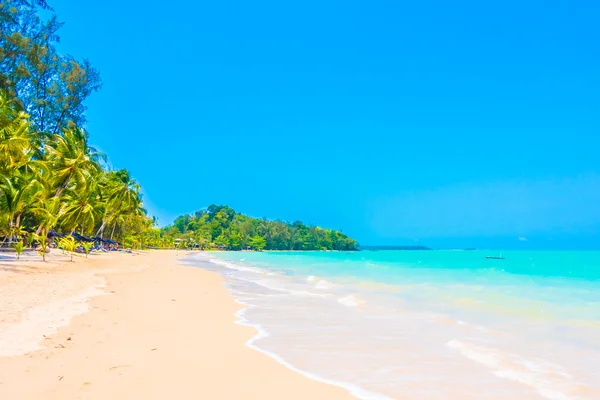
(222, 227)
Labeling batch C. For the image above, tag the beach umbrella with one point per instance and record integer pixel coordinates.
(81, 238)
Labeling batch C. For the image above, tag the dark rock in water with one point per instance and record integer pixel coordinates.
(375, 248)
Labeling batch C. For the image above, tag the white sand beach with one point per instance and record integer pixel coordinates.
(127, 326)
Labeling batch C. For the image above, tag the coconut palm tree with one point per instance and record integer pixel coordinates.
(61, 182)
(48, 212)
(17, 192)
(125, 191)
(71, 159)
(81, 209)
(68, 244)
(123, 196)
(14, 140)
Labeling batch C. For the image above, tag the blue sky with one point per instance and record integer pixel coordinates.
(445, 123)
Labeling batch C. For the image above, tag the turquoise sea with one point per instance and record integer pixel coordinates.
(426, 324)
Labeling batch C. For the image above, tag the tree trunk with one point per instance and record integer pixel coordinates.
(57, 126)
(61, 189)
(10, 230)
(63, 186)
(113, 231)
(45, 240)
(101, 229)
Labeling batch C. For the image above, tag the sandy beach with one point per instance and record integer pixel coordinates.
(127, 326)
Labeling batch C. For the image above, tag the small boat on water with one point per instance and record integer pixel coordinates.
(495, 258)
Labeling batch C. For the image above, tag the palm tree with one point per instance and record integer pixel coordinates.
(80, 209)
(123, 196)
(16, 194)
(48, 212)
(58, 181)
(68, 244)
(116, 220)
(14, 140)
(72, 159)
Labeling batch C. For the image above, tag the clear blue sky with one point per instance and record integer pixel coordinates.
(463, 123)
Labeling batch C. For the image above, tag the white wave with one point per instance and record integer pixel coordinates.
(549, 380)
(238, 267)
(355, 390)
(351, 301)
(269, 283)
(311, 278)
(273, 285)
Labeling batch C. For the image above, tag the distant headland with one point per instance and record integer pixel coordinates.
(222, 228)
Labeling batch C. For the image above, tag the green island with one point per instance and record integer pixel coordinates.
(55, 188)
(221, 227)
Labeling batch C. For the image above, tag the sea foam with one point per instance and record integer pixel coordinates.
(549, 380)
(351, 301)
(415, 331)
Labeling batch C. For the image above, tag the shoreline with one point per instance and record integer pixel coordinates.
(354, 390)
(160, 329)
(394, 327)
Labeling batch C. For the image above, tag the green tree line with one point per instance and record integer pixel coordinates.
(221, 227)
(50, 176)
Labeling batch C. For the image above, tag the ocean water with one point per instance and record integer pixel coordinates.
(426, 324)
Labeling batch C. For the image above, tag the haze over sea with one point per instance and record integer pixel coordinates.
(426, 324)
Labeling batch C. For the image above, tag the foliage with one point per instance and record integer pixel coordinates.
(87, 246)
(51, 87)
(221, 227)
(50, 175)
(43, 243)
(68, 243)
(14, 140)
(66, 188)
(258, 243)
(19, 248)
